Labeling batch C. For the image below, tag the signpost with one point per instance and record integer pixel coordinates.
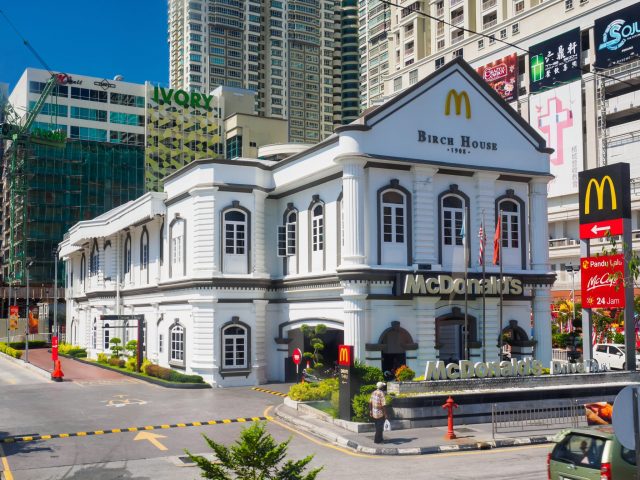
(54, 348)
(297, 359)
(346, 385)
(605, 209)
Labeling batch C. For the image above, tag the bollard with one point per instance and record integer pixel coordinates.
(57, 374)
(449, 405)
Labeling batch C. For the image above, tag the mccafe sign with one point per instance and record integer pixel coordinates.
(182, 98)
(418, 284)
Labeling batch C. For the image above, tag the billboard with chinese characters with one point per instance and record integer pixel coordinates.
(557, 115)
(555, 61)
(502, 76)
(617, 37)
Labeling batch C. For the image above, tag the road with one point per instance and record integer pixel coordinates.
(33, 406)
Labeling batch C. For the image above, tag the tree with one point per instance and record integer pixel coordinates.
(255, 456)
(116, 348)
(132, 348)
(313, 334)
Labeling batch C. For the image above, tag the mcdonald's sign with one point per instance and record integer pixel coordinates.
(345, 355)
(457, 98)
(605, 197)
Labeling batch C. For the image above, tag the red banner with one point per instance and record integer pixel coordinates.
(502, 76)
(13, 317)
(602, 281)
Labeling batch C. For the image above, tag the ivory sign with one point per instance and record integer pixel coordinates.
(467, 369)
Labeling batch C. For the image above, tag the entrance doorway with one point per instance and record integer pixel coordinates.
(331, 338)
(450, 342)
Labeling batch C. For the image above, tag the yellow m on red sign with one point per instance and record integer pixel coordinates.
(457, 99)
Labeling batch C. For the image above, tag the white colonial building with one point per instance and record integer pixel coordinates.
(361, 233)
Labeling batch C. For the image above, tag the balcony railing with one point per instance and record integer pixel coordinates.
(457, 20)
(489, 24)
(457, 39)
(488, 4)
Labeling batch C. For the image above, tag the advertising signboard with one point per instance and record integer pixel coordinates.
(34, 317)
(605, 196)
(502, 76)
(13, 317)
(555, 61)
(617, 37)
(557, 115)
(602, 281)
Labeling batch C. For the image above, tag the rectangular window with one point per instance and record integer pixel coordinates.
(160, 343)
(282, 241)
(89, 114)
(89, 94)
(84, 133)
(127, 100)
(126, 119)
(439, 62)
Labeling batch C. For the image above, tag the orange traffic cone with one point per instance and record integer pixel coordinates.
(57, 374)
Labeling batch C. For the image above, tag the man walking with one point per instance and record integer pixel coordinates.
(378, 410)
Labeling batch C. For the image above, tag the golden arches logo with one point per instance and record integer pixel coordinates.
(457, 100)
(600, 194)
(344, 355)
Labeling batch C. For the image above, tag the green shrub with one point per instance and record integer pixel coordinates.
(32, 344)
(145, 363)
(12, 352)
(310, 392)
(367, 389)
(361, 408)
(116, 362)
(367, 374)
(335, 400)
(171, 375)
(103, 358)
(131, 364)
(116, 348)
(618, 338)
(405, 374)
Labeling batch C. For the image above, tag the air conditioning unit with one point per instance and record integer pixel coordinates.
(522, 91)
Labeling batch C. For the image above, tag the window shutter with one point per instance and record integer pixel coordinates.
(282, 241)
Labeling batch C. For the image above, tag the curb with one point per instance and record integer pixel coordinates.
(186, 386)
(354, 445)
(28, 366)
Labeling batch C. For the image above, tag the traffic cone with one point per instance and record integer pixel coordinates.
(57, 374)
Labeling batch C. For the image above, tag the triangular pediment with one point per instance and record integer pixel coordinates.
(452, 117)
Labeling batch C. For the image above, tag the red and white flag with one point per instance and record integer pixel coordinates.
(483, 240)
(497, 241)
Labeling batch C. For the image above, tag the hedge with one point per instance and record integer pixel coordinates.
(171, 375)
(6, 349)
(309, 392)
(361, 408)
(32, 344)
(72, 350)
(367, 374)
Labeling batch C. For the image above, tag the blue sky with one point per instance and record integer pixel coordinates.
(89, 37)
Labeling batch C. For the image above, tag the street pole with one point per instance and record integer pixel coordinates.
(26, 337)
(55, 292)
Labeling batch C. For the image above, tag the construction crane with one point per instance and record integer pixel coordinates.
(18, 131)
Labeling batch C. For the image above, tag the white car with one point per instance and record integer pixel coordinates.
(612, 354)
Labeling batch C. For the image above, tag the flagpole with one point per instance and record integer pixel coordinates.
(484, 295)
(500, 284)
(466, 286)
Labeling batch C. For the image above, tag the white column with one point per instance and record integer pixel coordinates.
(353, 205)
(542, 324)
(258, 234)
(259, 356)
(202, 247)
(202, 338)
(424, 215)
(425, 313)
(485, 201)
(538, 226)
(354, 301)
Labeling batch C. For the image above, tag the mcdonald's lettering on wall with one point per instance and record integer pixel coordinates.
(604, 195)
(345, 355)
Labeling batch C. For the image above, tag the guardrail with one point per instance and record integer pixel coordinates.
(505, 420)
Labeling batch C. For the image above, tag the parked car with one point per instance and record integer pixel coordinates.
(612, 354)
(592, 453)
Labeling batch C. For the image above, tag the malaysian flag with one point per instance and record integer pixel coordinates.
(483, 240)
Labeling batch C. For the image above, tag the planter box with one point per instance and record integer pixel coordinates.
(307, 408)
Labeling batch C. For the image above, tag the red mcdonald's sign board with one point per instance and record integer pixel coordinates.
(345, 355)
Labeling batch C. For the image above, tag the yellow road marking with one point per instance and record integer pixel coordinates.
(80, 434)
(46, 437)
(149, 427)
(6, 470)
(64, 435)
(114, 430)
(164, 426)
(316, 441)
(97, 432)
(27, 439)
(226, 420)
(133, 429)
(152, 438)
(182, 424)
(195, 424)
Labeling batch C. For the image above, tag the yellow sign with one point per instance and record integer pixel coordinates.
(457, 100)
(600, 194)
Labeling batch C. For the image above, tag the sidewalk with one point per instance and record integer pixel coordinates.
(416, 441)
(73, 370)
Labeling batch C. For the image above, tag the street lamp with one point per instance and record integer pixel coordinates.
(26, 343)
(573, 269)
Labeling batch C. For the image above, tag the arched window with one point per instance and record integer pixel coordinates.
(177, 265)
(176, 344)
(291, 225)
(107, 337)
(513, 233)
(83, 271)
(235, 340)
(393, 217)
(288, 240)
(144, 252)
(94, 259)
(235, 229)
(394, 224)
(161, 246)
(94, 333)
(317, 227)
(510, 224)
(127, 255)
(452, 220)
